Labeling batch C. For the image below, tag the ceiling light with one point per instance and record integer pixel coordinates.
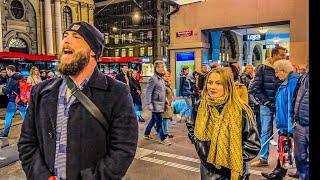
(263, 30)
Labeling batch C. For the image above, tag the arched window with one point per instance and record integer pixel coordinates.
(67, 16)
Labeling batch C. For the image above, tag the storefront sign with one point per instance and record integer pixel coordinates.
(185, 56)
(270, 46)
(254, 37)
(183, 2)
(145, 59)
(184, 34)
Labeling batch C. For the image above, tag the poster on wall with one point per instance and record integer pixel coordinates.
(183, 59)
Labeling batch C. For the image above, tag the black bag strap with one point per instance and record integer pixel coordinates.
(87, 103)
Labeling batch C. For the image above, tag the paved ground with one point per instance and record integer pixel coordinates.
(152, 161)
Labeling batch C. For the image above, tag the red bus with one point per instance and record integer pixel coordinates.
(24, 62)
(112, 65)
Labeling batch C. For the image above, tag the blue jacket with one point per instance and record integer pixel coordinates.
(284, 100)
(12, 87)
(301, 104)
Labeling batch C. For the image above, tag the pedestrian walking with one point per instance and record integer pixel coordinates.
(81, 126)
(155, 100)
(12, 90)
(168, 112)
(123, 75)
(135, 90)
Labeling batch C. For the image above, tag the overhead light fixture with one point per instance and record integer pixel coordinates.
(276, 39)
(263, 30)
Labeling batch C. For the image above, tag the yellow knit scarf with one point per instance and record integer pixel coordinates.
(224, 131)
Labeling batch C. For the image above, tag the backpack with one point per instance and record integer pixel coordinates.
(25, 90)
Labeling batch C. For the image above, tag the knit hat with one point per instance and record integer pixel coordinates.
(91, 35)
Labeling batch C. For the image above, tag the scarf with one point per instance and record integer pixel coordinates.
(224, 131)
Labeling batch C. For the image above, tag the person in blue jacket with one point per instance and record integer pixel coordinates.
(284, 108)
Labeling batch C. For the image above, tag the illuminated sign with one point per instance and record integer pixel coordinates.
(185, 56)
(184, 34)
(183, 2)
(254, 37)
(145, 59)
(270, 46)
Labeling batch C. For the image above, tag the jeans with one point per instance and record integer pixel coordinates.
(11, 110)
(165, 125)
(266, 120)
(156, 119)
(137, 109)
(257, 115)
(301, 150)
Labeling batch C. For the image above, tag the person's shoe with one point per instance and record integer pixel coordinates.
(273, 143)
(3, 136)
(293, 175)
(277, 173)
(260, 163)
(170, 136)
(147, 137)
(166, 142)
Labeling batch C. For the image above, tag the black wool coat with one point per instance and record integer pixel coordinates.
(88, 154)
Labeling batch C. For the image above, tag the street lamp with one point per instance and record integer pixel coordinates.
(136, 17)
(114, 29)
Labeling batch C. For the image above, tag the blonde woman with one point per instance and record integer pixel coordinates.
(224, 134)
(34, 77)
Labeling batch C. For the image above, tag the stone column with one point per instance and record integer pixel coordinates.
(48, 27)
(1, 36)
(58, 25)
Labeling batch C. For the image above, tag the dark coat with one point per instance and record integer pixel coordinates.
(245, 79)
(265, 84)
(186, 85)
(134, 87)
(12, 87)
(3, 80)
(301, 101)
(121, 77)
(88, 154)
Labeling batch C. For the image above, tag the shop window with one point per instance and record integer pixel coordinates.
(150, 51)
(142, 51)
(130, 52)
(116, 53)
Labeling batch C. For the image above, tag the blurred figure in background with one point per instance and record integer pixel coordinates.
(43, 75)
(50, 75)
(34, 77)
(247, 75)
(123, 75)
(168, 112)
(135, 90)
(3, 77)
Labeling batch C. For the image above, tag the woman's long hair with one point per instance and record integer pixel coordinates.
(231, 93)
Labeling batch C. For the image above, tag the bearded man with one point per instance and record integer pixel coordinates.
(60, 138)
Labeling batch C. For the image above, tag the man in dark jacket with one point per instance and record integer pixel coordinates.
(123, 75)
(3, 81)
(60, 137)
(202, 76)
(264, 88)
(11, 89)
(3, 77)
(301, 127)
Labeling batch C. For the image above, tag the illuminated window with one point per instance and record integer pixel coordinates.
(106, 38)
(150, 51)
(116, 53)
(149, 35)
(123, 53)
(130, 52)
(116, 39)
(130, 38)
(141, 36)
(142, 51)
(123, 38)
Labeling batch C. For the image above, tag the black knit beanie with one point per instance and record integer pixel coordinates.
(91, 35)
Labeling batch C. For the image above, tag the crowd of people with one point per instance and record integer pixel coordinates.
(230, 122)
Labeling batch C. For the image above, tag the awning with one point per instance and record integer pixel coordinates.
(31, 57)
(120, 59)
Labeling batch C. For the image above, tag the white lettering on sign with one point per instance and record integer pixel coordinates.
(254, 37)
(184, 34)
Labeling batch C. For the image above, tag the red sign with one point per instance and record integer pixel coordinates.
(184, 34)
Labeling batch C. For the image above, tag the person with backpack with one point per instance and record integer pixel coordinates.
(82, 125)
(12, 90)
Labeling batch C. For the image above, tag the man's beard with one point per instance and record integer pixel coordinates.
(80, 61)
